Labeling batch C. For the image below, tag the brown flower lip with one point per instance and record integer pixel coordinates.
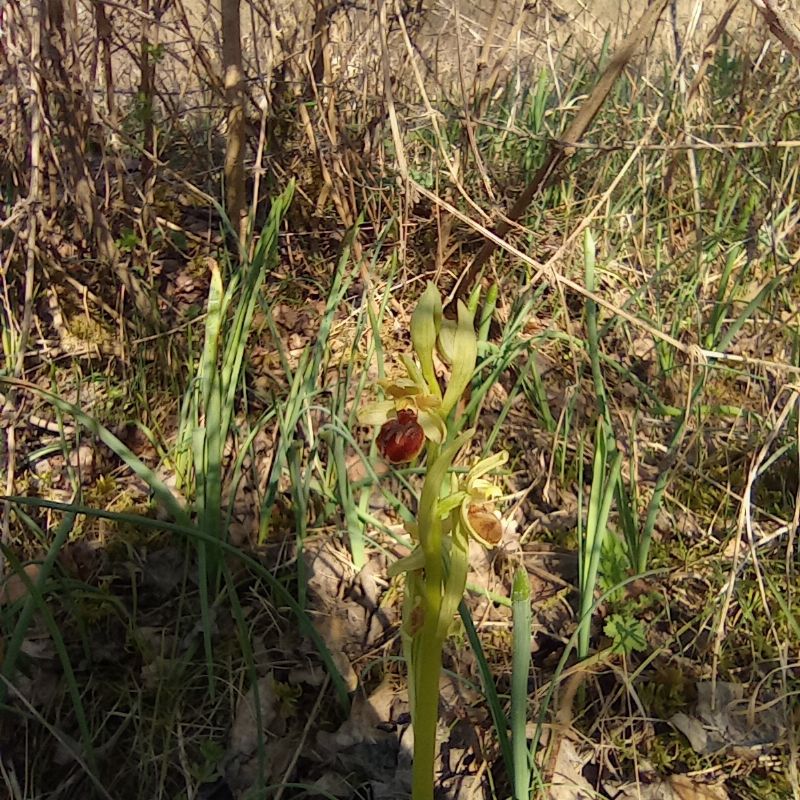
(485, 524)
(401, 440)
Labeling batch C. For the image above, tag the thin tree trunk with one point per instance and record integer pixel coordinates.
(147, 76)
(234, 97)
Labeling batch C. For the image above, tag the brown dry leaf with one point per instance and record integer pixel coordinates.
(241, 760)
(568, 782)
(84, 460)
(726, 715)
(366, 748)
(366, 716)
(685, 787)
(357, 469)
(676, 787)
(340, 622)
(15, 587)
(286, 316)
(244, 732)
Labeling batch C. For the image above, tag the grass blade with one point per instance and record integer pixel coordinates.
(520, 669)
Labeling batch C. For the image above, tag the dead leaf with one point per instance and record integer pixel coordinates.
(244, 732)
(340, 621)
(568, 782)
(372, 745)
(84, 460)
(729, 717)
(675, 787)
(366, 715)
(162, 571)
(685, 787)
(692, 729)
(15, 587)
(357, 468)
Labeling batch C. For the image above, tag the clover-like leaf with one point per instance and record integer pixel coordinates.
(626, 633)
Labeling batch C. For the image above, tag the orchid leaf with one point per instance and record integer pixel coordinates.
(414, 561)
(447, 340)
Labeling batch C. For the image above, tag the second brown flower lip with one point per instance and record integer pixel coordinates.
(401, 439)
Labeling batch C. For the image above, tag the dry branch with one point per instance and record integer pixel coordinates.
(783, 21)
(234, 99)
(561, 150)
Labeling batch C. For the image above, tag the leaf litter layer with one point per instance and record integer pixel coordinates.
(261, 648)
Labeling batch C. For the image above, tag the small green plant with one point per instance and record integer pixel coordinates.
(592, 534)
(626, 633)
(128, 241)
(417, 415)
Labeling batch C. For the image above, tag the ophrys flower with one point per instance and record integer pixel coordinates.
(408, 417)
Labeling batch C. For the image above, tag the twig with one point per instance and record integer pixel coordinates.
(558, 153)
(781, 23)
(33, 200)
(745, 524)
(312, 717)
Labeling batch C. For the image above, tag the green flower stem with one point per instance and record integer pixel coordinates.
(428, 668)
(427, 647)
(428, 663)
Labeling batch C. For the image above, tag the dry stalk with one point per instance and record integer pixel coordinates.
(709, 53)
(783, 20)
(561, 150)
(234, 100)
(745, 529)
(34, 214)
(73, 99)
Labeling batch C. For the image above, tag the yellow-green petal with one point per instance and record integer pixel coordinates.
(450, 503)
(402, 387)
(486, 465)
(375, 413)
(433, 425)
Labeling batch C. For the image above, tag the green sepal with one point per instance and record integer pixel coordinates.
(433, 425)
(376, 413)
(465, 354)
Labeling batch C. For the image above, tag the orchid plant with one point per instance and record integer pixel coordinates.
(415, 416)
